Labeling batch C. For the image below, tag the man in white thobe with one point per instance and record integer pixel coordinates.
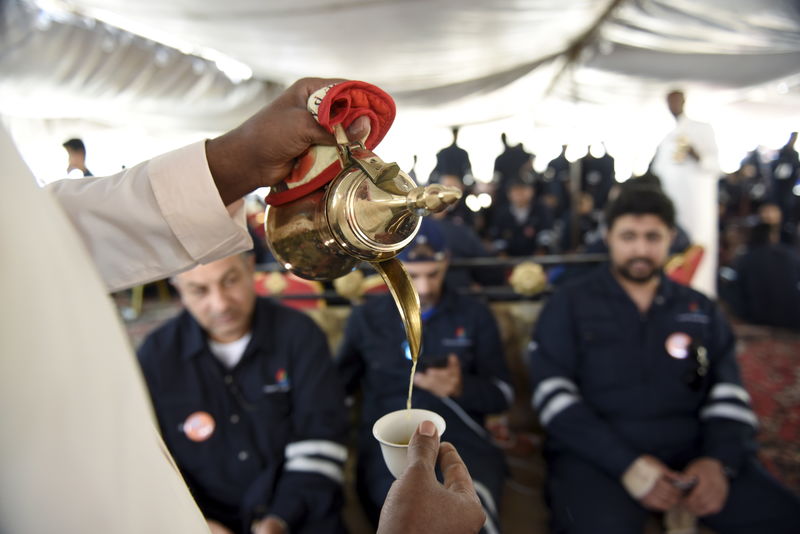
(687, 163)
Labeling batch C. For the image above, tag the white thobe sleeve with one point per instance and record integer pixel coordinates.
(153, 220)
(704, 142)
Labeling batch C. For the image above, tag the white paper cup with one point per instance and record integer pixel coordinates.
(394, 430)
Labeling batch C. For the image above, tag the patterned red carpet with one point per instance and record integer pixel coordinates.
(770, 363)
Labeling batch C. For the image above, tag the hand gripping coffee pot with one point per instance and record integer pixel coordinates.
(368, 212)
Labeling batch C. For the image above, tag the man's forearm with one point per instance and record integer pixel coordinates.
(227, 164)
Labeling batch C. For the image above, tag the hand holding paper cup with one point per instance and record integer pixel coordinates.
(394, 430)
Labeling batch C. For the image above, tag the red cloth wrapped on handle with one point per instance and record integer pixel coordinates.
(340, 103)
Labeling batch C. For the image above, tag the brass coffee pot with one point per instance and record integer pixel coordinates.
(368, 212)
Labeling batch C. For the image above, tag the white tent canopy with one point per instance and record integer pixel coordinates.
(545, 71)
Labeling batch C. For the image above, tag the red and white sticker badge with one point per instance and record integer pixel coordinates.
(677, 345)
(199, 426)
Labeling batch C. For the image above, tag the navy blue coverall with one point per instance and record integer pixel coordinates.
(766, 286)
(463, 242)
(532, 236)
(373, 356)
(611, 384)
(280, 421)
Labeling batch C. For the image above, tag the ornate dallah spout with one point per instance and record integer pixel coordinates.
(432, 198)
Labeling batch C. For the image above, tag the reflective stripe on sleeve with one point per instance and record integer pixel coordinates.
(550, 385)
(315, 465)
(506, 390)
(489, 507)
(726, 410)
(556, 405)
(729, 391)
(316, 447)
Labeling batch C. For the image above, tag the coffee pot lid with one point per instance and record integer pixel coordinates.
(369, 208)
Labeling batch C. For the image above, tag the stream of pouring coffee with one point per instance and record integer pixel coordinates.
(411, 381)
(407, 301)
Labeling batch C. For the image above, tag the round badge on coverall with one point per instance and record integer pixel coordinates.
(199, 426)
(677, 345)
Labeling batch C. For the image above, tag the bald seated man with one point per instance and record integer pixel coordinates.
(249, 405)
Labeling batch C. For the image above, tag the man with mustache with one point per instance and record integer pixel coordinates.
(635, 379)
(462, 373)
(249, 405)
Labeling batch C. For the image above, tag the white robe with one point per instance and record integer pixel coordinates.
(79, 447)
(692, 186)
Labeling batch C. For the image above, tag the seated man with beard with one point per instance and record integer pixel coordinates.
(635, 380)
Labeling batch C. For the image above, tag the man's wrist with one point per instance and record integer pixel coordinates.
(640, 477)
(274, 519)
(726, 468)
(718, 464)
(226, 169)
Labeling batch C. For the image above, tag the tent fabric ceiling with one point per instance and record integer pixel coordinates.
(460, 61)
(722, 70)
(721, 43)
(78, 68)
(400, 45)
(708, 26)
